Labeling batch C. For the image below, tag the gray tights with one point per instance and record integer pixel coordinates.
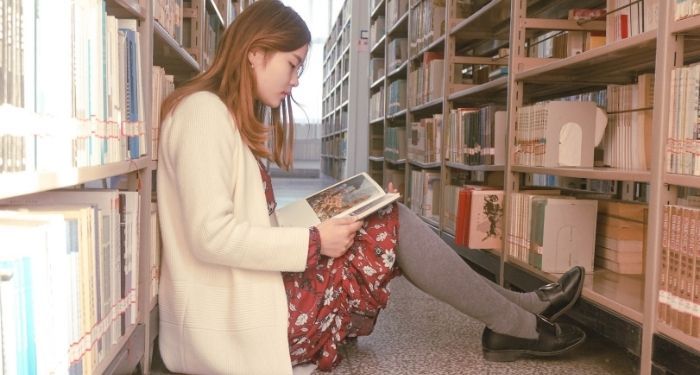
(433, 267)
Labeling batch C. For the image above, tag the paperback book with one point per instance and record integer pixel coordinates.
(357, 196)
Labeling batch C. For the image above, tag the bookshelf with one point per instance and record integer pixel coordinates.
(622, 307)
(345, 112)
(163, 40)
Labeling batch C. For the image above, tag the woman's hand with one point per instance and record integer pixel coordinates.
(337, 235)
(390, 188)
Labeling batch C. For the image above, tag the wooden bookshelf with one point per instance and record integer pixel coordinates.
(621, 307)
(132, 349)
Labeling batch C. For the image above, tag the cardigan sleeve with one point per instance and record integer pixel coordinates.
(202, 147)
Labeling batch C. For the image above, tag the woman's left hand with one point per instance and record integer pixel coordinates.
(390, 188)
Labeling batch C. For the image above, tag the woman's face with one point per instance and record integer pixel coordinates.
(276, 73)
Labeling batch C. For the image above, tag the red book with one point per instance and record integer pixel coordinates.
(462, 218)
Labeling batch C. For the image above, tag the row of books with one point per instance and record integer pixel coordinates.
(558, 133)
(337, 28)
(475, 216)
(377, 30)
(337, 122)
(620, 242)
(394, 143)
(427, 79)
(626, 143)
(683, 141)
(376, 104)
(631, 18)
(679, 284)
(397, 53)
(477, 136)
(88, 64)
(69, 271)
(552, 232)
(163, 84)
(376, 68)
(168, 13)
(30, 142)
(335, 146)
(424, 139)
(396, 101)
(425, 194)
(686, 8)
(427, 23)
(395, 9)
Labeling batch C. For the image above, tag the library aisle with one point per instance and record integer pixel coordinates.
(416, 334)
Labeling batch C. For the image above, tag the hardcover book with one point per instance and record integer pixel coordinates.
(357, 196)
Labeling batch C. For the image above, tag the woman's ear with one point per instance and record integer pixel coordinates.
(256, 58)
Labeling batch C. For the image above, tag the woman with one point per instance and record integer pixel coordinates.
(240, 296)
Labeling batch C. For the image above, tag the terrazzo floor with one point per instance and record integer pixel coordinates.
(418, 335)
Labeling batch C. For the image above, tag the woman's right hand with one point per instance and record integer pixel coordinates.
(337, 235)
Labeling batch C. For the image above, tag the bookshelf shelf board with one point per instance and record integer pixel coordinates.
(114, 350)
(491, 89)
(682, 179)
(624, 58)
(485, 168)
(378, 48)
(612, 174)
(22, 183)
(425, 165)
(395, 162)
(489, 22)
(168, 53)
(430, 106)
(399, 70)
(397, 115)
(378, 10)
(430, 222)
(125, 9)
(686, 25)
(377, 84)
(436, 45)
(214, 8)
(377, 120)
(400, 28)
(376, 158)
(622, 294)
(678, 335)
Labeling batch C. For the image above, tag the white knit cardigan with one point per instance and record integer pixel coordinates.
(223, 307)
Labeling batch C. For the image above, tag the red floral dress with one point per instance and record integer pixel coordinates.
(338, 298)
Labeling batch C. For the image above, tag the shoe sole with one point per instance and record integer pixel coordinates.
(572, 302)
(513, 355)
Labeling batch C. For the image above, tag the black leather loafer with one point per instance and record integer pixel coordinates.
(554, 339)
(563, 294)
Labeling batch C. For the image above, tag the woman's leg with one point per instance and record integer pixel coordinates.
(432, 266)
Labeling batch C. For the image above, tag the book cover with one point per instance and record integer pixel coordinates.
(486, 220)
(357, 196)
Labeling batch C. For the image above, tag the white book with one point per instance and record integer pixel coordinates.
(357, 196)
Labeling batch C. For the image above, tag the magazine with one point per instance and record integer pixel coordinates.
(357, 196)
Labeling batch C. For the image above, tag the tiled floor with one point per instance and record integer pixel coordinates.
(418, 335)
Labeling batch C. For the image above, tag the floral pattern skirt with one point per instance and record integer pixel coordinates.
(342, 297)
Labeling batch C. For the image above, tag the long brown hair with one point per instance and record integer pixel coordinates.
(266, 25)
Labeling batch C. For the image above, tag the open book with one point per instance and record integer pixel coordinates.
(357, 196)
